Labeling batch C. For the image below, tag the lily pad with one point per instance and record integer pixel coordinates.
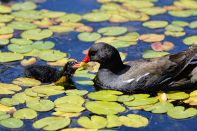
(112, 31)
(179, 112)
(36, 34)
(113, 121)
(134, 120)
(4, 42)
(193, 24)
(52, 123)
(4, 115)
(5, 9)
(175, 33)
(22, 97)
(51, 55)
(19, 49)
(28, 15)
(20, 25)
(152, 37)
(180, 23)
(141, 101)
(96, 17)
(125, 98)
(155, 24)
(191, 40)
(76, 92)
(69, 18)
(9, 88)
(52, 14)
(174, 28)
(6, 109)
(60, 29)
(25, 113)
(69, 108)
(104, 107)
(105, 95)
(153, 54)
(41, 45)
(6, 18)
(89, 37)
(177, 95)
(6, 30)
(11, 123)
(161, 107)
(9, 102)
(96, 122)
(22, 81)
(153, 10)
(19, 41)
(182, 13)
(24, 6)
(70, 99)
(40, 105)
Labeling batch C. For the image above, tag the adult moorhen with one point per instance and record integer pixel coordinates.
(139, 75)
(48, 74)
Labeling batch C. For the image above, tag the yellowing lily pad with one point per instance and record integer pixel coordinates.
(180, 23)
(104, 107)
(134, 120)
(9, 102)
(11, 123)
(177, 95)
(96, 17)
(8, 109)
(36, 34)
(70, 99)
(89, 37)
(52, 14)
(52, 123)
(41, 45)
(9, 88)
(6, 30)
(19, 49)
(152, 37)
(51, 55)
(112, 31)
(191, 40)
(179, 112)
(26, 82)
(153, 54)
(96, 122)
(5, 9)
(161, 107)
(40, 105)
(60, 29)
(113, 121)
(105, 95)
(25, 113)
(6, 18)
(155, 24)
(29, 15)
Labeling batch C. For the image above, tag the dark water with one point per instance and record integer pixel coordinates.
(68, 43)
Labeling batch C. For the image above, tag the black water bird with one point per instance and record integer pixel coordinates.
(140, 75)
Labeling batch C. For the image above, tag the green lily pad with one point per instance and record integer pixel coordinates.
(25, 113)
(105, 95)
(6, 30)
(69, 18)
(83, 73)
(24, 6)
(153, 54)
(41, 45)
(52, 123)
(5, 9)
(76, 92)
(22, 97)
(19, 41)
(96, 17)
(141, 101)
(96, 122)
(89, 37)
(47, 90)
(69, 107)
(191, 40)
(175, 33)
(153, 10)
(179, 112)
(60, 29)
(70, 99)
(40, 105)
(155, 24)
(161, 107)
(112, 31)
(193, 24)
(177, 95)
(104, 107)
(180, 23)
(36, 34)
(174, 28)
(122, 44)
(9, 102)
(182, 13)
(140, 96)
(6, 18)
(125, 98)
(20, 25)
(11, 123)
(4, 116)
(19, 49)
(9, 88)
(28, 15)
(22, 81)
(113, 121)
(134, 120)
(51, 55)
(85, 82)
(4, 42)
(52, 14)
(129, 37)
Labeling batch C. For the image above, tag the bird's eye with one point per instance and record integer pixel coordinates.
(92, 53)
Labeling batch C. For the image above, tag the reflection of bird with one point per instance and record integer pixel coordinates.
(49, 74)
(140, 75)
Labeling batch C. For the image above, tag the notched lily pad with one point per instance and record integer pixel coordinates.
(161, 107)
(25, 113)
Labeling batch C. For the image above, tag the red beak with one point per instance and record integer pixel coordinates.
(86, 59)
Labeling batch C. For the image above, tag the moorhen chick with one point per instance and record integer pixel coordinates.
(49, 74)
(139, 75)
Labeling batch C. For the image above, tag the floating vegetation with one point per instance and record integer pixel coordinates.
(28, 35)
